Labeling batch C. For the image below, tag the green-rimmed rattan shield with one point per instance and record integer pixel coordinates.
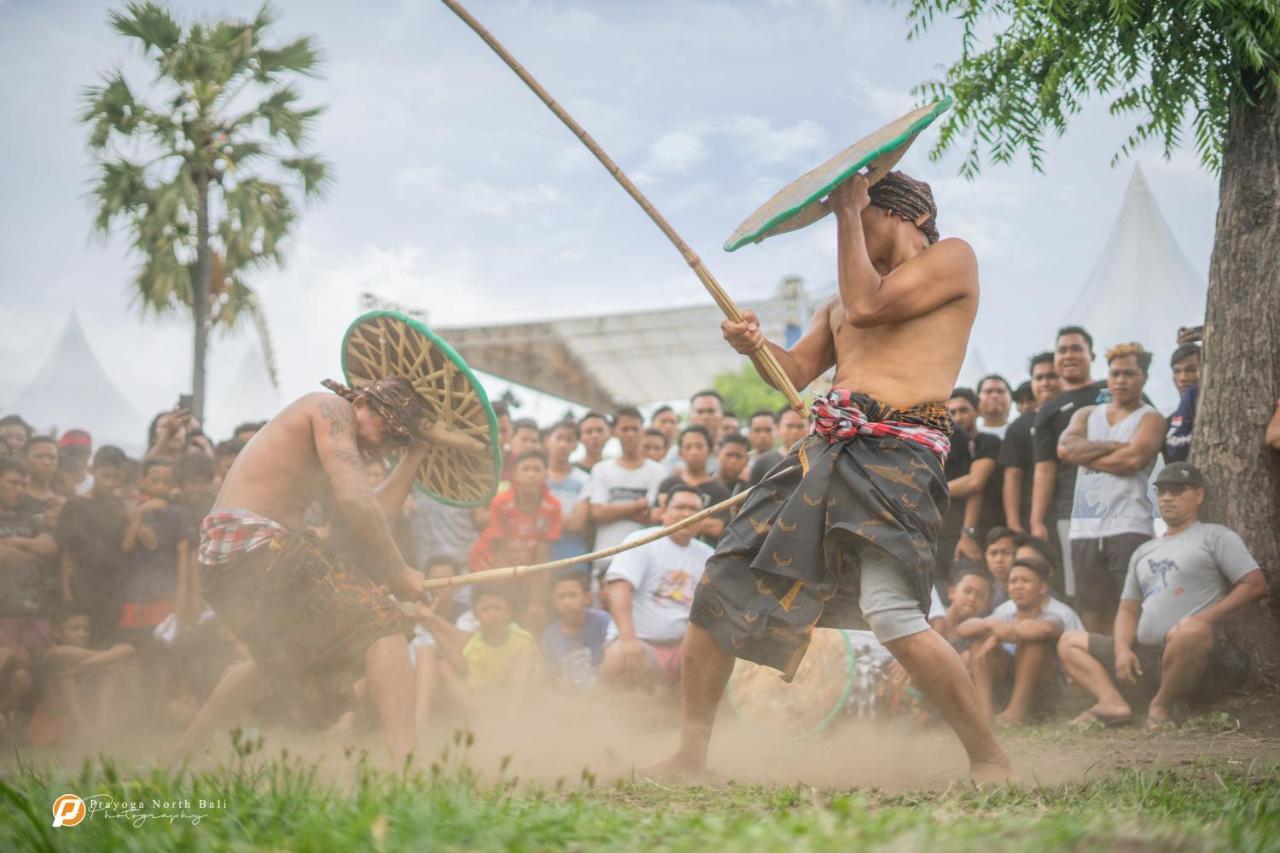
(799, 203)
(388, 343)
(808, 704)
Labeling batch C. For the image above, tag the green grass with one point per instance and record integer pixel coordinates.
(280, 803)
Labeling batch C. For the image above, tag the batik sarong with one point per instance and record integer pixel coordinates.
(868, 476)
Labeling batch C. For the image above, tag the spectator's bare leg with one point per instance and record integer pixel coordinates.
(1087, 671)
(390, 681)
(937, 670)
(1030, 662)
(240, 686)
(987, 662)
(706, 668)
(1186, 654)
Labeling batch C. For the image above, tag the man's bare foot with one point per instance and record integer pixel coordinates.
(1159, 719)
(1006, 720)
(984, 774)
(1107, 716)
(675, 769)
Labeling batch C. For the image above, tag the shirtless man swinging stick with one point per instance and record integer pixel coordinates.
(848, 539)
(302, 612)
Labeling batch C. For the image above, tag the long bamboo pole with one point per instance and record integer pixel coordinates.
(763, 358)
(513, 572)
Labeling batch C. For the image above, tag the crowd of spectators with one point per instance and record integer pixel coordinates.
(1054, 512)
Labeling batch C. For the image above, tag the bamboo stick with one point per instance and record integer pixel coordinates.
(763, 358)
(513, 572)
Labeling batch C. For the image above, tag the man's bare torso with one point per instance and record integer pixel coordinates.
(278, 474)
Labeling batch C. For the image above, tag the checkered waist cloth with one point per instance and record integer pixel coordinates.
(231, 533)
(843, 415)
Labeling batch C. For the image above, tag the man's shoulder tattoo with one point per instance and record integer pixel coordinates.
(337, 412)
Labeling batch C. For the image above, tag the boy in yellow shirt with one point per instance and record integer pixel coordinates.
(501, 657)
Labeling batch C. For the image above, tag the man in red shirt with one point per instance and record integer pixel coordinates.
(523, 522)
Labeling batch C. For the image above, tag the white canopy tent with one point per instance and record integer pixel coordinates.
(250, 396)
(1142, 288)
(73, 391)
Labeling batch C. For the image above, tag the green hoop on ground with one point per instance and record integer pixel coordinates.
(388, 343)
(800, 203)
(805, 707)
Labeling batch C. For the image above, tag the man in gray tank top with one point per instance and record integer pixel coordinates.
(1169, 636)
(1114, 446)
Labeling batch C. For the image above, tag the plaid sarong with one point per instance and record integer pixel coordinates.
(231, 533)
(869, 476)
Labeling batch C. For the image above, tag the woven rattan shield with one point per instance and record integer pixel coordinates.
(800, 203)
(387, 343)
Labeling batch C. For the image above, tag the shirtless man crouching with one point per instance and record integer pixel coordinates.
(302, 613)
(848, 540)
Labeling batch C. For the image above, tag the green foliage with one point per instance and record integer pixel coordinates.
(1166, 62)
(284, 803)
(222, 133)
(745, 392)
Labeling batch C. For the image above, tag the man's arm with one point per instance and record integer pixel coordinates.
(804, 362)
(1137, 453)
(975, 481)
(974, 628)
(605, 513)
(1074, 445)
(1036, 630)
(1250, 588)
(1273, 429)
(945, 272)
(1011, 497)
(1125, 628)
(394, 489)
(333, 427)
(41, 545)
(1042, 483)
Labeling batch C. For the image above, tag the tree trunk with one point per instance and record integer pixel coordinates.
(201, 287)
(1241, 379)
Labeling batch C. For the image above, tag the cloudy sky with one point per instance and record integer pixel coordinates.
(457, 191)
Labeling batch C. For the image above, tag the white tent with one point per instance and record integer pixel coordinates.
(250, 396)
(1142, 288)
(73, 391)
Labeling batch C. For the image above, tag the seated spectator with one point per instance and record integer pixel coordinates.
(655, 444)
(195, 474)
(75, 447)
(501, 657)
(1014, 646)
(1168, 637)
(999, 556)
(158, 548)
(968, 598)
(593, 432)
(14, 434)
(42, 471)
(695, 450)
(573, 645)
(650, 591)
(523, 522)
(1114, 446)
(89, 533)
(436, 648)
(568, 484)
(85, 687)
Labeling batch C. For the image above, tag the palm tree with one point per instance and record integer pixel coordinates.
(199, 175)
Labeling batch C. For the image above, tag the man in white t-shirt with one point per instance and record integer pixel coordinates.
(650, 590)
(1115, 445)
(623, 489)
(1169, 638)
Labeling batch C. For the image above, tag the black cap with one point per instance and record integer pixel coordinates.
(1180, 474)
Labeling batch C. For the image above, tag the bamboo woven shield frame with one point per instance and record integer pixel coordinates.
(387, 343)
(800, 202)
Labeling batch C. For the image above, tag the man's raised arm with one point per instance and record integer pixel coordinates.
(333, 426)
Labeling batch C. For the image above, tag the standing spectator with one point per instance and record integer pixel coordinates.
(731, 460)
(568, 484)
(1186, 376)
(26, 564)
(729, 424)
(573, 645)
(158, 546)
(695, 450)
(975, 494)
(655, 445)
(224, 456)
(1016, 645)
(503, 415)
(593, 430)
(436, 528)
(525, 436)
(1024, 398)
(1054, 482)
(1115, 445)
(623, 489)
(245, 431)
(15, 433)
(706, 409)
(1016, 452)
(650, 592)
(1169, 637)
(42, 470)
(89, 533)
(664, 420)
(762, 431)
(197, 488)
(995, 399)
(792, 426)
(75, 448)
(523, 523)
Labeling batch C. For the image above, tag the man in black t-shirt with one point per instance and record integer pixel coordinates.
(695, 451)
(1053, 489)
(1016, 454)
(976, 495)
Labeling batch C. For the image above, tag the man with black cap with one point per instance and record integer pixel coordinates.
(1168, 636)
